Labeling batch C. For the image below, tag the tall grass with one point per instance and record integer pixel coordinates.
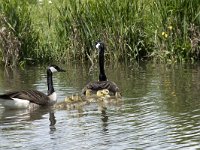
(66, 30)
(120, 24)
(179, 22)
(16, 20)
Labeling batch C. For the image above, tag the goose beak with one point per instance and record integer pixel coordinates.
(62, 70)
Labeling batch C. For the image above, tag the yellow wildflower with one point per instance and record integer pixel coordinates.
(164, 34)
(170, 27)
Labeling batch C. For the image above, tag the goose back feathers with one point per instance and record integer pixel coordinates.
(100, 85)
(33, 96)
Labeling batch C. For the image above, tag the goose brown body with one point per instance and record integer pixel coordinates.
(102, 83)
(33, 96)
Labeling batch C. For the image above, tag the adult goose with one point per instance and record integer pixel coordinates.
(32, 98)
(102, 83)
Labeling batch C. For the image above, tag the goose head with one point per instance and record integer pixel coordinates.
(51, 92)
(55, 68)
(100, 45)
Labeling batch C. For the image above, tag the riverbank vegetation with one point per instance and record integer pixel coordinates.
(41, 31)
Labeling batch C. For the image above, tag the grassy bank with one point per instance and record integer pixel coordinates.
(65, 30)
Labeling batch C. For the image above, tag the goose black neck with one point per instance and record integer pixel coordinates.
(102, 75)
(50, 82)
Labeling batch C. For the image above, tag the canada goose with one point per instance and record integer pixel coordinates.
(32, 98)
(103, 83)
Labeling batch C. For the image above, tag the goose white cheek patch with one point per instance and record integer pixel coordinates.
(97, 46)
(53, 69)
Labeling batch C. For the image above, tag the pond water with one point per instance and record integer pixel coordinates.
(160, 110)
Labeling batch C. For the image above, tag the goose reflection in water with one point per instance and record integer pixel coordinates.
(21, 118)
(104, 118)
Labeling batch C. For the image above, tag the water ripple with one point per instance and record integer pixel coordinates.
(156, 113)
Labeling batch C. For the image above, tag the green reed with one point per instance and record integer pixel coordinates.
(66, 30)
(179, 29)
(16, 20)
(120, 24)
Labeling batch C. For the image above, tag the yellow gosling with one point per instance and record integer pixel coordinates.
(74, 98)
(77, 100)
(71, 102)
(88, 92)
(118, 95)
(103, 93)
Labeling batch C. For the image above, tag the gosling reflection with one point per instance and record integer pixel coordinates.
(25, 116)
